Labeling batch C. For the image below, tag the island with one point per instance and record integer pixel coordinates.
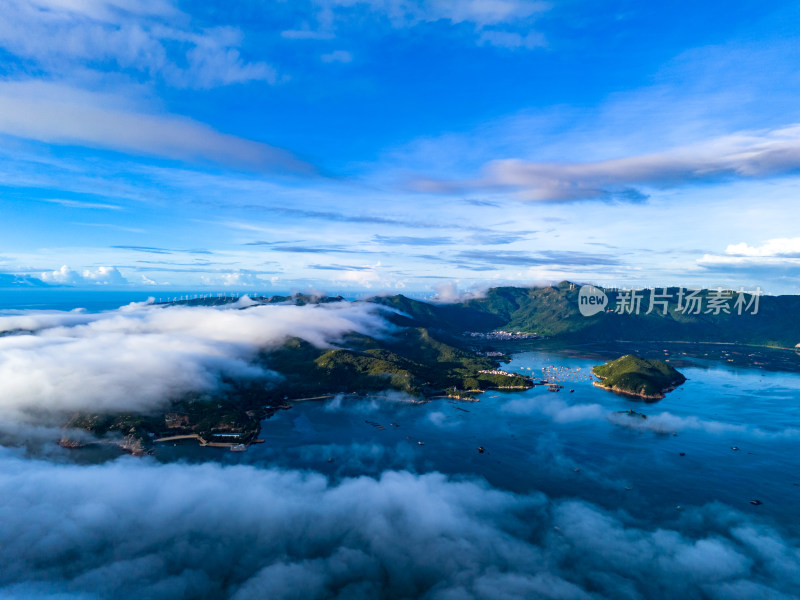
(634, 376)
(420, 361)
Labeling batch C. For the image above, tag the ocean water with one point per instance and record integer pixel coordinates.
(89, 300)
(729, 435)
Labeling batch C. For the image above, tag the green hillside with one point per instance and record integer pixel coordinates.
(448, 318)
(629, 374)
(413, 361)
(552, 311)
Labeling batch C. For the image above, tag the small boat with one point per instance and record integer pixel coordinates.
(631, 413)
(238, 448)
(421, 443)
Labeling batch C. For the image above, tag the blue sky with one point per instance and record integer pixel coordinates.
(398, 145)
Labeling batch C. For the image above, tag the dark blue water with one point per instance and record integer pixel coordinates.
(569, 445)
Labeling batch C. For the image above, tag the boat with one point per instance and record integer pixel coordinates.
(631, 413)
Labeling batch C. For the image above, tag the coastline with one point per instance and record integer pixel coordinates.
(617, 390)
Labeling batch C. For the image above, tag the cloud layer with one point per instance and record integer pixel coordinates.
(100, 276)
(502, 23)
(63, 114)
(564, 412)
(140, 357)
(746, 155)
(132, 528)
(151, 37)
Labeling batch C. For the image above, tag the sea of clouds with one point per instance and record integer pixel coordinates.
(136, 528)
(133, 528)
(142, 356)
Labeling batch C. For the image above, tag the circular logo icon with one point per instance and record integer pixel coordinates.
(591, 300)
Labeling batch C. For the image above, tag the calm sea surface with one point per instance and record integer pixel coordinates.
(567, 444)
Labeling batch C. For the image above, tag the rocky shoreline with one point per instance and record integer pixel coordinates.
(619, 390)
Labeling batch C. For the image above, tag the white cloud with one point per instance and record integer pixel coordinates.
(509, 20)
(82, 204)
(103, 10)
(558, 410)
(60, 114)
(481, 13)
(238, 279)
(366, 275)
(745, 155)
(99, 276)
(448, 292)
(564, 412)
(140, 357)
(666, 422)
(104, 275)
(152, 37)
(214, 60)
(177, 530)
(774, 261)
(778, 247)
